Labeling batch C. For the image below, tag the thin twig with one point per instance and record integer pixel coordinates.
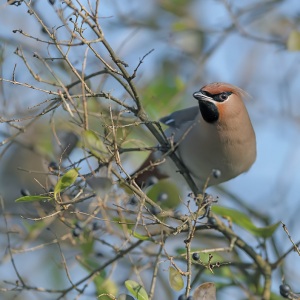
(155, 271)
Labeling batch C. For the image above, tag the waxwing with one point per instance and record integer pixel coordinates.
(214, 136)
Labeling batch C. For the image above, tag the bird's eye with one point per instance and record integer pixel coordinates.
(223, 96)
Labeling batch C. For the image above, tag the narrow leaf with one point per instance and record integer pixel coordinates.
(136, 290)
(33, 198)
(176, 280)
(139, 236)
(65, 181)
(245, 222)
(94, 144)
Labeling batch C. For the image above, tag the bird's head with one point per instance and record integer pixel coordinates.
(220, 100)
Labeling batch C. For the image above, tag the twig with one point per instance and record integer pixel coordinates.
(290, 238)
(155, 271)
(121, 254)
(9, 246)
(139, 64)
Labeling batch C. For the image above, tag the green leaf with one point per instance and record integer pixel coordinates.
(179, 26)
(105, 287)
(171, 191)
(91, 263)
(65, 181)
(103, 284)
(87, 246)
(139, 236)
(245, 222)
(120, 222)
(33, 198)
(293, 42)
(94, 144)
(136, 290)
(186, 26)
(159, 94)
(176, 7)
(176, 280)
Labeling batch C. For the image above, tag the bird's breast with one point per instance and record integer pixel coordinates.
(204, 147)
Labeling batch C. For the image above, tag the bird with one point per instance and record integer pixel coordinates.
(214, 137)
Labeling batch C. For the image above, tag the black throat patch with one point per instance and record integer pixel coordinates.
(209, 111)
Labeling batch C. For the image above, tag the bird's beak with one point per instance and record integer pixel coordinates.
(201, 97)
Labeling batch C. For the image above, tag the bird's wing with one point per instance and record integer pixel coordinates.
(179, 117)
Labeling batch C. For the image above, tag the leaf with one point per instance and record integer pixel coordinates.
(94, 144)
(33, 198)
(103, 284)
(65, 181)
(87, 246)
(175, 279)
(205, 291)
(176, 7)
(136, 290)
(91, 264)
(120, 222)
(293, 42)
(185, 25)
(179, 26)
(105, 287)
(139, 236)
(245, 222)
(158, 95)
(171, 191)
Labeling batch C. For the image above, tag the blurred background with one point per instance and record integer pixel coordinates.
(252, 44)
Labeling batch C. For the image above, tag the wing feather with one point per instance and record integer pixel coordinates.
(177, 118)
